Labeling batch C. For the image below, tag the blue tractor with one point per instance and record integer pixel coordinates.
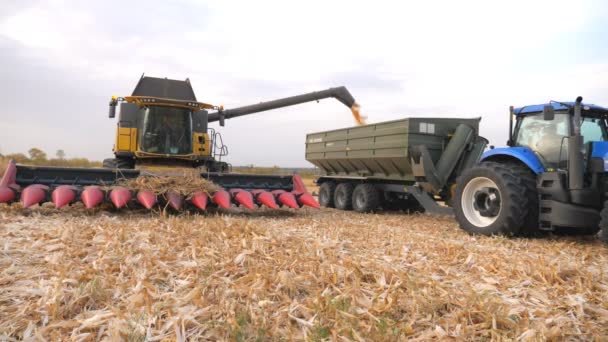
(551, 177)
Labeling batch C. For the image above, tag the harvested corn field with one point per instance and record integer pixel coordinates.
(282, 274)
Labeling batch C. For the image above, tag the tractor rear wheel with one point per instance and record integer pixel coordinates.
(366, 198)
(491, 199)
(326, 194)
(343, 196)
(530, 226)
(604, 223)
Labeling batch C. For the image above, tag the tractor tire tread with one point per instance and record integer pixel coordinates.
(528, 180)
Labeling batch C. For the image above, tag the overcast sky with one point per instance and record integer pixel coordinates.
(60, 61)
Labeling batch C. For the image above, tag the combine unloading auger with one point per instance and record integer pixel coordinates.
(31, 185)
(339, 93)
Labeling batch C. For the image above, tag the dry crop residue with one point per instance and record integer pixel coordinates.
(310, 275)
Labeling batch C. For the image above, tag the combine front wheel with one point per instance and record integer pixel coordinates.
(491, 199)
(343, 196)
(118, 163)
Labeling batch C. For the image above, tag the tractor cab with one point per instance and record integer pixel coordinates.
(545, 129)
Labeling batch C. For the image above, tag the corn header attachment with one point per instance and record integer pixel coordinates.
(62, 186)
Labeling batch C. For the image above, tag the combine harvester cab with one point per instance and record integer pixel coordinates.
(163, 124)
(32, 185)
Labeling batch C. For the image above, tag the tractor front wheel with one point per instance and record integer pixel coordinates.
(491, 199)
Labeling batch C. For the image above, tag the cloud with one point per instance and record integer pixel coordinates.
(61, 60)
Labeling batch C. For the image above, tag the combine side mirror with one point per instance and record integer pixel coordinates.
(222, 119)
(112, 112)
(548, 113)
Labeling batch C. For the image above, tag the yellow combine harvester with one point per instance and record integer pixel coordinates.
(163, 124)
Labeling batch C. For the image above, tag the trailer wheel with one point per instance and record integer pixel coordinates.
(326, 194)
(366, 198)
(343, 197)
(604, 223)
(491, 199)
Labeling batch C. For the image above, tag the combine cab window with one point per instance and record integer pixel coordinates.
(545, 137)
(167, 130)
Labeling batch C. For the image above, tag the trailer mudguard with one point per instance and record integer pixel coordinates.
(523, 154)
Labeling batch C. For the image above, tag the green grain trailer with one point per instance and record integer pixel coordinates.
(406, 164)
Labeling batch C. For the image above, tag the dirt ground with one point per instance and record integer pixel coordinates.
(290, 275)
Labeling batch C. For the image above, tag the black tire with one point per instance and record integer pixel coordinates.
(326, 194)
(604, 223)
(343, 196)
(366, 198)
(220, 167)
(126, 163)
(109, 163)
(500, 208)
(528, 178)
(118, 163)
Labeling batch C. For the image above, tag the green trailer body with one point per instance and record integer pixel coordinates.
(399, 158)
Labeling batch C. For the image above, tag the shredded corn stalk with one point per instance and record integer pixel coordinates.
(271, 275)
(184, 182)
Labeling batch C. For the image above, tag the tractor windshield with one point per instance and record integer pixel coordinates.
(548, 138)
(545, 137)
(166, 130)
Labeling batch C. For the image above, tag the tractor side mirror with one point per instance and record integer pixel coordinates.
(548, 113)
(222, 119)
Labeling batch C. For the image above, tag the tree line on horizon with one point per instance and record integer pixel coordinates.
(36, 156)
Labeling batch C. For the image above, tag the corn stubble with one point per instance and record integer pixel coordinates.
(309, 275)
(184, 182)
